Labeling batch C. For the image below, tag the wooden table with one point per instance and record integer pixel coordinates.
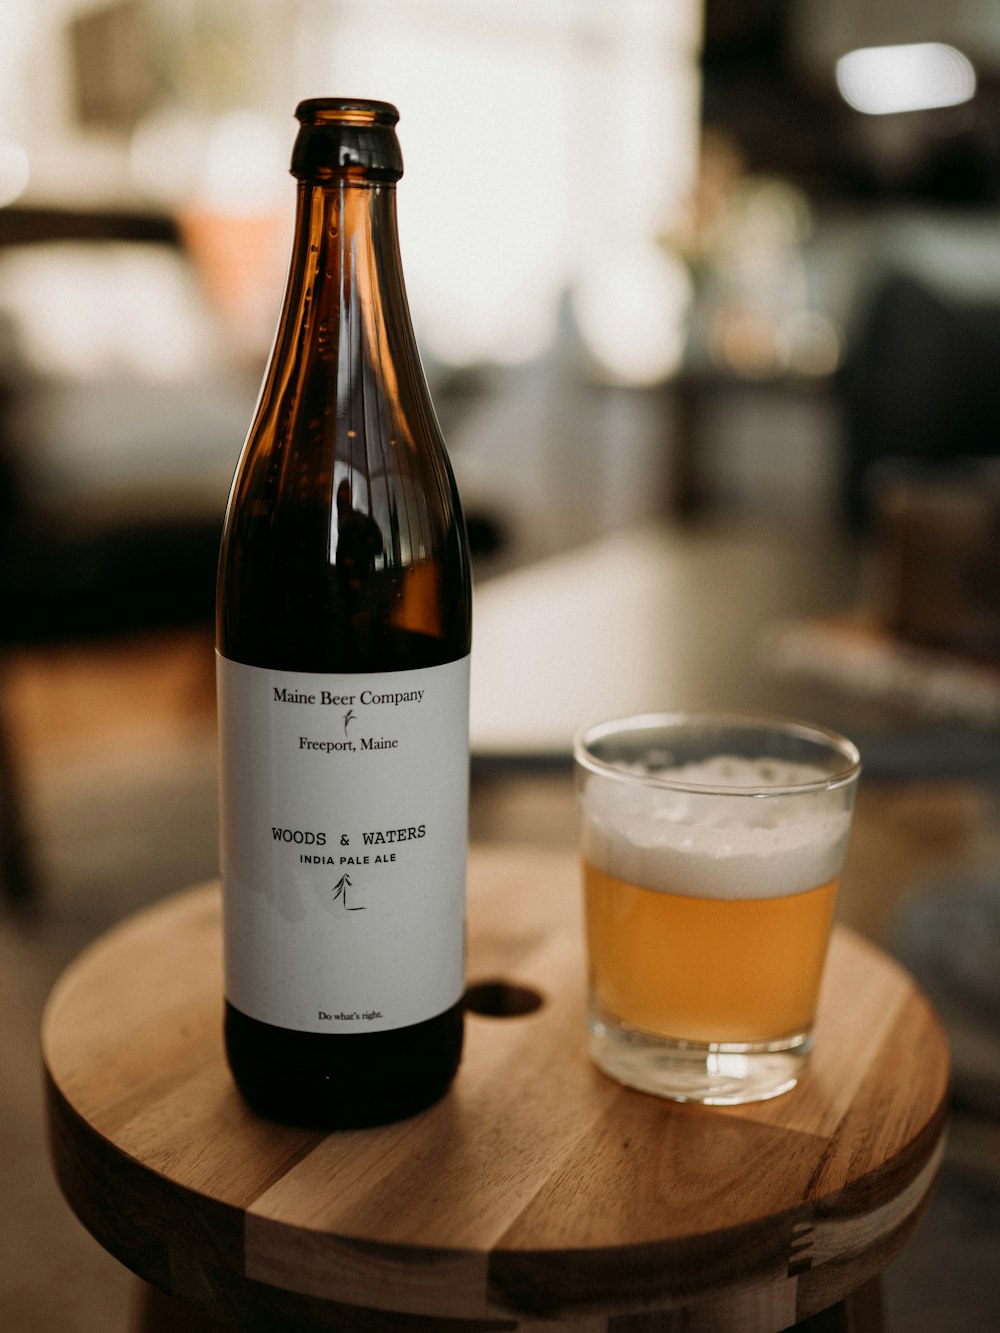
(537, 1195)
(602, 621)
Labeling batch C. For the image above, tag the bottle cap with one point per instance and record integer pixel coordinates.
(346, 138)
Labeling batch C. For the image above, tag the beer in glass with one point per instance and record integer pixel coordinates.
(712, 851)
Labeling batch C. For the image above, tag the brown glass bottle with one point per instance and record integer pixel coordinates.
(343, 635)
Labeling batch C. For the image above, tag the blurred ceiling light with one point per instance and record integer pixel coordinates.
(632, 314)
(879, 80)
(14, 172)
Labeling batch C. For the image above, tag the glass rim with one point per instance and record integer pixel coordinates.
(585, 736)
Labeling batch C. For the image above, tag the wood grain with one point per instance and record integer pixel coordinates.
(537, 1192)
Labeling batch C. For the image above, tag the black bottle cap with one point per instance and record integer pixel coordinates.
(346, 138)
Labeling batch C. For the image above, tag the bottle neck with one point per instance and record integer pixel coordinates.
(347, 249)
(345, 309)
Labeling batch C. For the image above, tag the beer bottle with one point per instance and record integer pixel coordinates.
(343, 638)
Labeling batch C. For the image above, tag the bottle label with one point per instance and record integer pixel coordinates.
(344, 824)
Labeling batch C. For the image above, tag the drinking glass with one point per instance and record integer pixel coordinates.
(712, 849)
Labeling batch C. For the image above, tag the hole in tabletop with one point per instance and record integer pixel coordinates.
(501, 999)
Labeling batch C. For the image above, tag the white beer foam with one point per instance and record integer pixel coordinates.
(709, 846)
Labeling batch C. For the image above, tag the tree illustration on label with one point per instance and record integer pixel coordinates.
(340, 891)
(348, 717)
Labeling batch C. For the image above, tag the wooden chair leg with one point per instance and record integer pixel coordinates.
(866, 1307)
(18, 877)
(861, 1312)
(153, 1311)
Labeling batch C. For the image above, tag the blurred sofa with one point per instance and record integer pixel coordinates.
(122, 414)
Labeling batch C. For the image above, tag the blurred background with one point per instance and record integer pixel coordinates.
(708, 294)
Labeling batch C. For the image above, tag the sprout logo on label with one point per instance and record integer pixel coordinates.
(340, 891)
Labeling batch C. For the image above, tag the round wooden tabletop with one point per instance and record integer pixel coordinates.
(538, 1192)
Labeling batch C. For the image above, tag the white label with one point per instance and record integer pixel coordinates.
(344, 823)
